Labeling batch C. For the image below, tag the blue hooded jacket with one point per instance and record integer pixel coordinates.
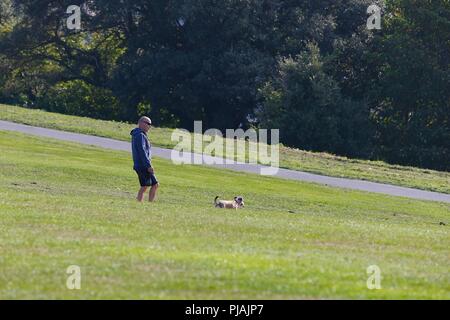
(141, 149)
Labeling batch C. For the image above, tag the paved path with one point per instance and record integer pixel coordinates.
(251, 168)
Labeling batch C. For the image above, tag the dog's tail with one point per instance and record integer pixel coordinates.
(215, 200)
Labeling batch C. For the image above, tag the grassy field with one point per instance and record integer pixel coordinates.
(320, 163)
(65, 204)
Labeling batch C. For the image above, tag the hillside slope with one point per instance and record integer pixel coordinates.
(64, 204)
(320, 163)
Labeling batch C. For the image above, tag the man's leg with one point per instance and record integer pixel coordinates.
(152, 193)
(140, 195)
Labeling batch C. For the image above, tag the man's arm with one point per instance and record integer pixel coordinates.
(142, 154)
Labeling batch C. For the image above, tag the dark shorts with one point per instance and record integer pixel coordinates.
(146, 179)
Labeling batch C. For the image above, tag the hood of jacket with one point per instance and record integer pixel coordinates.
(137, 131)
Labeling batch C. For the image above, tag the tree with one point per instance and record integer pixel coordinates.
(41, 54)
(381, 94)
(194, 60)
(306, 104)
(411, 93)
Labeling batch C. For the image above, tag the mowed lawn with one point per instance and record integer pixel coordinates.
(65, 204)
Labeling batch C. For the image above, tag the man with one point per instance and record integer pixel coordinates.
(141, 149)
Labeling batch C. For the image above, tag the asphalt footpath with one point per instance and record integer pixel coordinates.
(220, 163)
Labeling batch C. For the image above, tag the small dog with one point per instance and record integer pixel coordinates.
(238, 202)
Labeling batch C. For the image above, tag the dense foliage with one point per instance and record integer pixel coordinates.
(310, 68)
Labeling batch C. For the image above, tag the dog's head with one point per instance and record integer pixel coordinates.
(240, 201)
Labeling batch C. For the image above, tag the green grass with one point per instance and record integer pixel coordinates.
(320, 163)
(65, 204)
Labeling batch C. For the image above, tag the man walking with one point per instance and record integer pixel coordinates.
(141, 149)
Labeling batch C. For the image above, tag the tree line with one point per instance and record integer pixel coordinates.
(310, 68)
